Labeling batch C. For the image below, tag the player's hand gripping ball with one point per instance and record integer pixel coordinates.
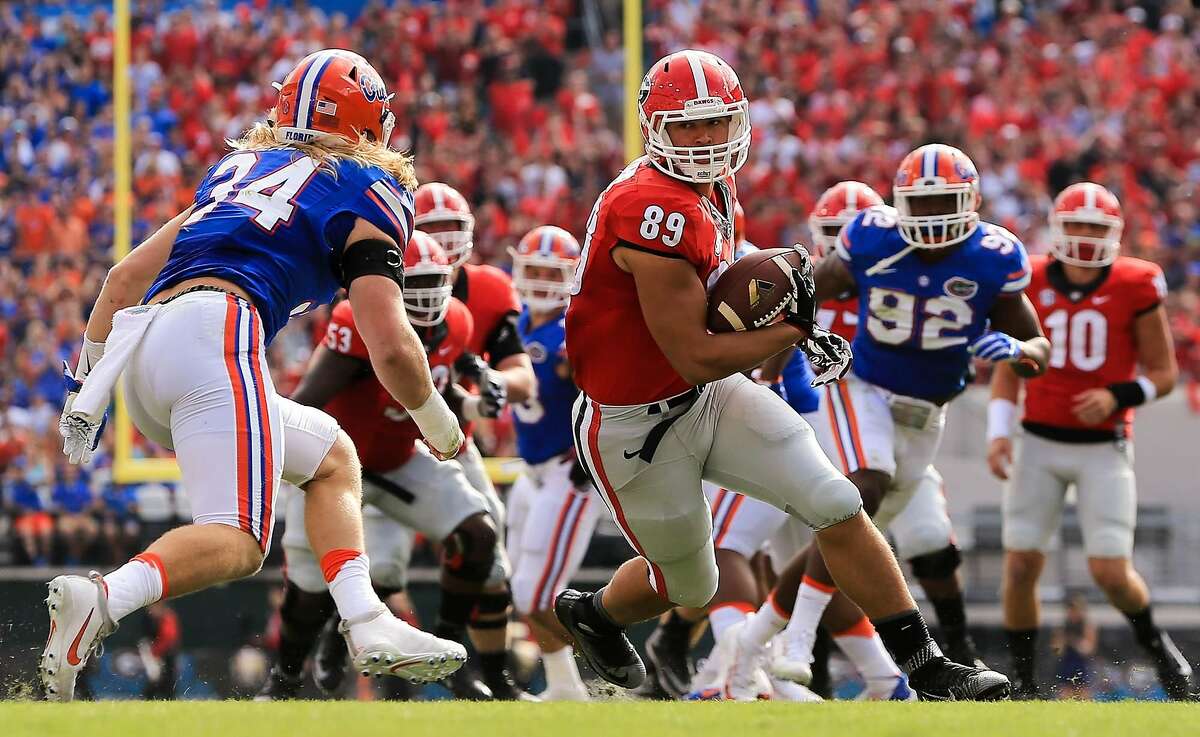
(760, 287)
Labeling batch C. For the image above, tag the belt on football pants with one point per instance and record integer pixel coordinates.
(199, 288)
(659, 431)
(389, 486)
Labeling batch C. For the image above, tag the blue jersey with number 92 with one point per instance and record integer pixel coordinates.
(916, 318)
(544, 423)
(271, 222)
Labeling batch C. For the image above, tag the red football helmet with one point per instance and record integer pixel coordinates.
(1091, 204)
(543, 267)
(444, 214)
(936, 170)
(333, 93)
(835, 207)
(693, 85)
(426, 280)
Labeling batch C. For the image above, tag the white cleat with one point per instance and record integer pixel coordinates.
(791, 656)
(79, 620)
(791, 691)
(382, 645)
(709, 681)
(746, 680)
(579, 693)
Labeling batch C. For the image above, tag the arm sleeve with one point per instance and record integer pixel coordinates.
(342, 335)
(1018, 271)
(504, 340)
(666, 226)
(1150, 291)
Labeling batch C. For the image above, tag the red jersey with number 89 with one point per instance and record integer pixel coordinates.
(615, 358)
(1091, 332)
(379, 425)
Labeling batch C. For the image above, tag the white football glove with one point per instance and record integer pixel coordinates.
(829, 354)
(996, 347)
(80, 433)
(491, 399)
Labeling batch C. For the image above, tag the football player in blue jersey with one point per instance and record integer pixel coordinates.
(936, 288)
(309, 201)
(552, 509)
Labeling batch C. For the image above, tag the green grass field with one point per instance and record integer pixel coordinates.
(609, 719)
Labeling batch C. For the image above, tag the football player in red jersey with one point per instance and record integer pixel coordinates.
(664, 403)
(505, 376)
(403, 486)
(1104, 316)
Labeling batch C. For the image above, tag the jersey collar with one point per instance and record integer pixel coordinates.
(1073, 292)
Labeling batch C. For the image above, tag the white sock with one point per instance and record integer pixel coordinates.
(724, 616)
(137, 584)
(561, 673)
(764, 624)
(348, 575)
(864, 648)
(811, 600)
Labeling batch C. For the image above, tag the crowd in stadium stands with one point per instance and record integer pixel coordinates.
(518, 104)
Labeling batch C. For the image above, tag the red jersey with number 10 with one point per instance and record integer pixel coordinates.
(1091, 332)
(615, 358)
(379, 425)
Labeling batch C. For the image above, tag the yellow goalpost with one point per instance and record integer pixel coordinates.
(128, 469)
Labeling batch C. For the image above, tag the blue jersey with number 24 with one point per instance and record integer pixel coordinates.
(917, 318)
(272, 222)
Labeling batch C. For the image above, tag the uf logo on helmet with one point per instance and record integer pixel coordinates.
(902, 177)
(964, 169)
(372, 87)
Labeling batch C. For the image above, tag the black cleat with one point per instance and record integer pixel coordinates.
(650, 690)
(504, 689)
(280, 686)
(607, 650)
(466, 685)
(962, 650)
(329, 661)
(941, 679)
(672, 667)
(1174, 672)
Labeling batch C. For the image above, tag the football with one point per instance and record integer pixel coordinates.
(752, 292)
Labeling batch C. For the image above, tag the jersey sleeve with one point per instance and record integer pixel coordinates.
(860, 234)
(657, 223)
(342, 335)
(1017, 270)
(376, 198)
(1149, 289)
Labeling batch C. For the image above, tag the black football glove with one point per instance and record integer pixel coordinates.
(829, 354)
(801, 309)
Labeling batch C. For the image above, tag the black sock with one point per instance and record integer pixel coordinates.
(453, 613)
(301, 617)
(676, 627)
(907, 638)
(1022, 647)
(1144, 629)
(493, 666)
(952, 617)
(595, 615)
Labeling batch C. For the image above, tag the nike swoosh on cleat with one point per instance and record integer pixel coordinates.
(404, 663)
(73, 654)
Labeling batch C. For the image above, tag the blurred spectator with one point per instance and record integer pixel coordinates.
(75, 505)
(33, 524)
(1075, 644)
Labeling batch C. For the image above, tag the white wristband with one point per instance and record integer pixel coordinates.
(1000, 416)
(437, 423)
(90, 354)
(1148, 389)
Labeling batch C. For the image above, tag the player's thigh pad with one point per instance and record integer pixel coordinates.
(308, 434)
(301, 566)
(762, 448)
(659, 506)
(432, 497)
(1106, 493)
(555, 537)
(1035, 494)
(201, 369)
(923, 526)
(741, 523)
(389, 548)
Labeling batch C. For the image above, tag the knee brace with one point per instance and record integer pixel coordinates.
(491, 610)
(940, 564)
(691, 580)
(470, 550)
